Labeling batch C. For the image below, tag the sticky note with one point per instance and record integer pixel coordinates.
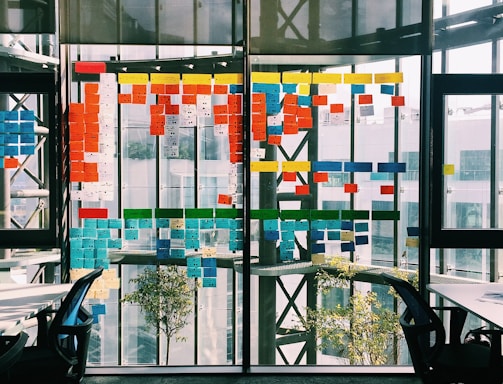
(448, 169)
(357, 78)
(396, 77)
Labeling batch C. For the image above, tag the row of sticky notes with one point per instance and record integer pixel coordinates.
(17, 136)
(100, 289)
(326, 78)
(325, 166)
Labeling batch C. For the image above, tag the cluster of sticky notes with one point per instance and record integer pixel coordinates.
(92, 139)
(17, 136)
(100, 289)
(204, 267)
(412, 239)
(321, 171)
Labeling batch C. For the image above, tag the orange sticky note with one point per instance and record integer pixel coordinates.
(190, 89)
(157, 129)
(290, 99)
(259, 135)
(350, 188)
(92, 98)
(305, 122)
(302, 189)
(91, 146)
(77, 108)
(92, 128)
(91, 177)
(221, 119)
(258, 108)
(77, 155)
(139, 89)
(320, 177)
(219, 89)
(91, 117)
(291, 128)
(236, 158)
(164, 99)
(397, 101)
(91, 88)
(92, 108)
(124, 98)
(189, 99)
(172, 89)
(76, 146)
(157, 88)
(203, 89)
(157, 109)
(320, 100)
(336, 108)
(139, 98)
(274, 140)
(304, 112)
(158, 119)
(289, 176)
(173, 109)
(10, 162)
(290, 109)
(220, 109)
(258, 98)
(387, 189)
(76, 177)
(224, 199)
(365, 99)
(77, 166)
(91, 167)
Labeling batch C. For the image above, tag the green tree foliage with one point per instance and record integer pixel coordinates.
(166, 297)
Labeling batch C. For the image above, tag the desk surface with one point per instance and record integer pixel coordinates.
(19, 302)
(468, 296)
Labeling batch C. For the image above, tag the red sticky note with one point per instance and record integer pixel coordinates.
(93, 213)
(320, 177)
(289, 176)
(302, 189)
(387, 189)
(173, 109)
(336, 108)
(224, 199)
(397, 101)
(90, 67)
(365, 99)
(350, 188)
(10, 162)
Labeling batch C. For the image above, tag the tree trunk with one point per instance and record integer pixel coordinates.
(168, 339)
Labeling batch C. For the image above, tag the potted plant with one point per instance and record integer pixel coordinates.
(166, 297)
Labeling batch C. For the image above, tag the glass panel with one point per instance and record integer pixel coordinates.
(213, 22)
(27, 17)
(467, 164)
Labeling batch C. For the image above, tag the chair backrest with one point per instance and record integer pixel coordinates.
(423, 329)
(11, 349)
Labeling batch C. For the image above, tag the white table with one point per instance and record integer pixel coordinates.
(468, 296)
(19, 302)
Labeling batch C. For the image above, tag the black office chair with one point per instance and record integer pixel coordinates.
(11, 348)
(434, 359)
(60, 353)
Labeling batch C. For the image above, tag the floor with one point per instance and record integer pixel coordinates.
(253, 379)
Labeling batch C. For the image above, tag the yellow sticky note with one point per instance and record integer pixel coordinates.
(396, 77)
(133, 78)
(209, 252)
(165, 78)
(196, 78)
(304, 89)
(228, 78)
(347, 236)
(296, 166)
(318, 259)
(112, 283)
(264, 166)
(327, 78)
(357, 78)
(412, 242)
(448, 169)
(109, 273)
(297, 78)
(266, 77)
(177, 223)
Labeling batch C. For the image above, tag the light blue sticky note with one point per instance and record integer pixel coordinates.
(191, 223)
(318, 224)
(90, 223)
(287, 225)
(387, 89)
(132, 223)
(236, 235)
(333, 224)
(115, 243)
(162, 223)
(192, 244)
(131, 234)
(235, 245)
(76, 243)
(270, 225)
(209, 282)
(89, 233)
(103, 233)
(178, 234)
(286, 255)
(89, 263)
(287, 245)
(194, 262)
(145, 223)
(302, 225)
(236, 224)
(77, 253)
(192, 234)
(287, 235)
(76, 232)
(115, 223)
(361, 227)
(100, 243)
(76, 263)
(333, 235)
(177, 253)
(290, 88)
(88, 243)
(101, 253)
(357, 89)
(222, 223)
(207, 223)
(304, 100)
(194, 272)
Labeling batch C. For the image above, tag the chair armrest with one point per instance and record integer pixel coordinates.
(456, 323)
(495, 335)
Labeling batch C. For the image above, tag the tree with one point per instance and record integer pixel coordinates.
(165, 295)
(363, 330)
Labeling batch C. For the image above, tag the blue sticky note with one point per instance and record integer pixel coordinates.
(27, 150)
(271, 235)
(76, 243)
(12, 128)
(163, 243)
(209, 262)
(221, 223)
(347, 225)
(326, 166)
(350, 166)
(194, 272)
(362, 239)
(90, 223)
(192, 234)
(131, 234)
(318, 248)
(209, 282)
(191, 223)
(132, 223)
(145, 223)
(115, 223)
(333, 224)
(287, 245)
(27, 138)
(100, 243)
(272, 88)
(304, 100)
(27, 127)
(192, 244)
(357, 89)
(207, 223)
(11, 150)
(348, 247)
(162, 253)
(287, 235)
(178, 234)
(286, 255)
(209, 272)
(177, 253)
(413, 231)
(387, 89)
(27, 115)
(361, 227)
(76, 262)
(76, 232)
(273, 108)
(270, 224)
(302, 225)
(98, 309)
(194, 262)
(333, 235)
(274, 129)
(235, 88)
(162, 223)
(391, 167)
(115, 243)
(272, 98)
(290, 88)
(317, 235)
